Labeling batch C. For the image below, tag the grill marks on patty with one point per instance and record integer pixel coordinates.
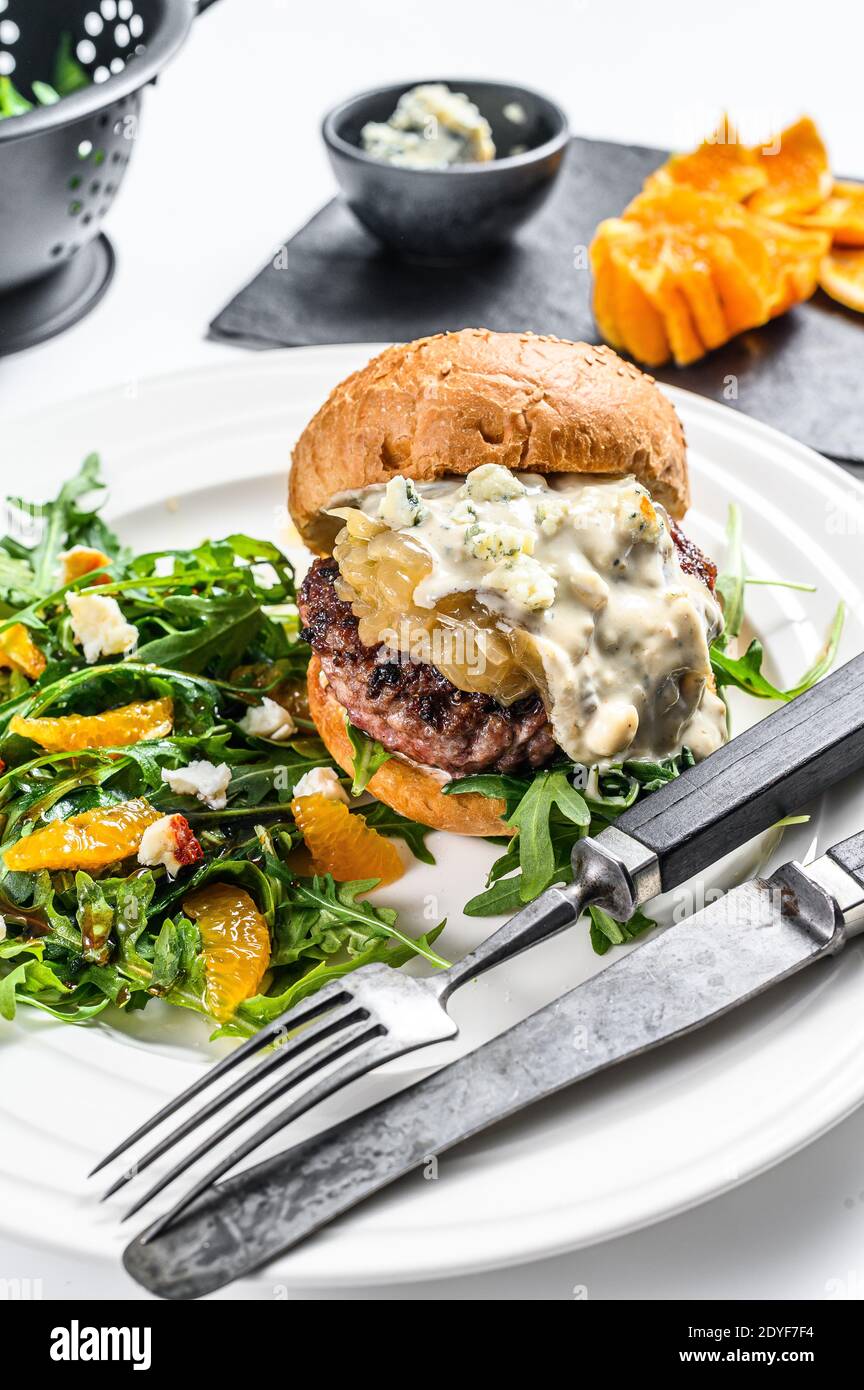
(409, 706)
(412, 709)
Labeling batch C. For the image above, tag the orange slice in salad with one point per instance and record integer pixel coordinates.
(90, 840)
(115, 728)
(842, 276)
(19, 652)
(799, 177)
(343, 844)
(81, 560)
(236, 942)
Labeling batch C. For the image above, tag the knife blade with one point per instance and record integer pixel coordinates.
(757, 935)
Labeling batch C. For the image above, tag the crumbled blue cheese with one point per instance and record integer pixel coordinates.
(492, 483)
(486, 541)
(523, 582)
(99, 626)
(268, 720)
(321, 781)
(203, 779)
(431, 128)
(400, 506)
(551, 512)
(159, 846)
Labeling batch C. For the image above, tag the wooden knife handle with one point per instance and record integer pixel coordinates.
(770, 771)
(849, 854)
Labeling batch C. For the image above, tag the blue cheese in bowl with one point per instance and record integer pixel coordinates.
(431, 128)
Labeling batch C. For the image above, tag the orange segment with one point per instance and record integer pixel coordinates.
(236, 941)
(720, 165)
(641, 326)
(842, 215)
(799, 178)
(842, 276)
(88, 841)
(116, 728)
(80, 560)
(343, 844)
(691, 269)
(19, 652)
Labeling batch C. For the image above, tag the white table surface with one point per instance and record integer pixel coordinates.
(229, 164)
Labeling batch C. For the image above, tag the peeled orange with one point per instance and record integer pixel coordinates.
(842, 215)
(236, 942)
(842, 276)
(343, 844)
(19, 652)
(115, 728)
(797, 171)
(718, 166)
(87, 841)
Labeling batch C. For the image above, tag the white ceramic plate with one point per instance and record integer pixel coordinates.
(204, 453)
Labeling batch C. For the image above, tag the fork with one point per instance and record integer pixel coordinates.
(790, 758)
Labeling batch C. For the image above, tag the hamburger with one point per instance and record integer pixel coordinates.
(501, 582)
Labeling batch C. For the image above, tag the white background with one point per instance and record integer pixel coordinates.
(229, 164)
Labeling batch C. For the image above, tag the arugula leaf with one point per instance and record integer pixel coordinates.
(367, 755)
(730, 584)
(532, 817)
(510, 790)
(606, 932)
(11, 101)
(745, 672)
(389, 822)
(69, 76)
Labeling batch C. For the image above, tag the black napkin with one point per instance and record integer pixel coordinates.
(333, 283)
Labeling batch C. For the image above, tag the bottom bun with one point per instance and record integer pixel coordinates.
(403, 786)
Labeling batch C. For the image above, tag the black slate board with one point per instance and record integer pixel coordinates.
(333, 283)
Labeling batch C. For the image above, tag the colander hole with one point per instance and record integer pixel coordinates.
(101, 74)
(93, 23)
(85, 149)
(7, 64)
(109, 188)
(124, 9)
(136, 26)
(103, 209)
(9, 31)
(117, 65)
(99, 157)
(75, 207)
(121, 36)
(3, 4)
(58, 249)
(116, 156)
(74, 182)
(103, 121)
(86, 50)
(109, 9)
(87, 219)
(95, 186)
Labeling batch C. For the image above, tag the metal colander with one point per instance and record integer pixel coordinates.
(61, 165)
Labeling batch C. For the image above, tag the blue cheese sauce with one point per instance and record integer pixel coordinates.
(576, 578)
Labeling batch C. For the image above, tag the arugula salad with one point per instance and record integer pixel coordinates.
(68, 76)
(172, 827)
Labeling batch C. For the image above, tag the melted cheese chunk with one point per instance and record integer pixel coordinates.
(581, 574)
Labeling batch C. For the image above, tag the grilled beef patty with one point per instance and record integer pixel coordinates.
(412, 709)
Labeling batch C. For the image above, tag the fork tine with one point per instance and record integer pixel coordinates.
(334, 1021)
(328, 997)
(342, 1045)
(356, 1067)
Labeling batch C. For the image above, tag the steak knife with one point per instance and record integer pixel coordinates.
(758, 934)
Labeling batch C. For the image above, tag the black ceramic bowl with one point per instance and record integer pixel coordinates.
(456, 213)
